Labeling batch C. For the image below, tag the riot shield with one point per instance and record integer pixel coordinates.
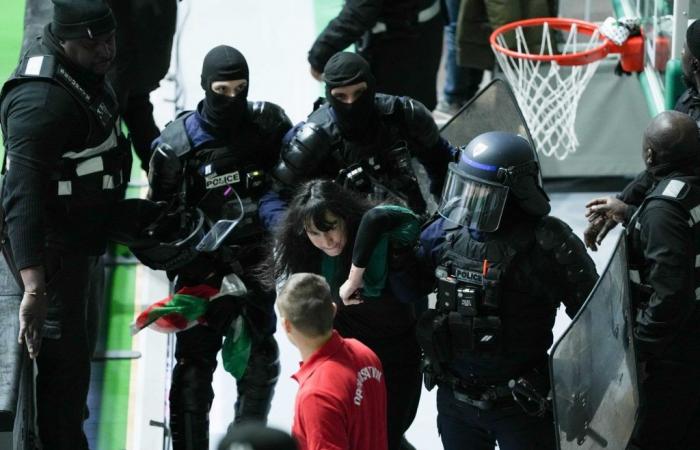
(493, 108)
(594, 377)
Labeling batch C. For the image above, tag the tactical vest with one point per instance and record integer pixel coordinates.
(219, 181)
(98, 173)
(484, 286)
(381, 169)
(683, 194)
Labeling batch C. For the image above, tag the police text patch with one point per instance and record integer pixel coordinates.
(222, 180)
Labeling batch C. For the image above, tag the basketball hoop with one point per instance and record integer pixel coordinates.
(549, 81)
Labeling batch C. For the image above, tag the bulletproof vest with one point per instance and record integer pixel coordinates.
(221, 180)
(380, 166)
(482, 286)
(682, 192)
(97, 173)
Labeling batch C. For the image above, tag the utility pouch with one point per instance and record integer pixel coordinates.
(461, 333)
(487, 334)
(433, 336)
(492, 290)
(468, 298)
(446, 299)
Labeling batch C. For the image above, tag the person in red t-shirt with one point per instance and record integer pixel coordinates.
(341, 403)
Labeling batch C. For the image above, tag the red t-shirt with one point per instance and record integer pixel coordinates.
(341, 403)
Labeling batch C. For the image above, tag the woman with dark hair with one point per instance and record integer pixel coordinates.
(365, 254)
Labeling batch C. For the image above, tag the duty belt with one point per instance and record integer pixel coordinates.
(484, 397)
(423, 16)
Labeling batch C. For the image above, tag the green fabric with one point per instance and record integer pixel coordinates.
(674, 85)
(188, 306)
(377, 270)
(236, 349)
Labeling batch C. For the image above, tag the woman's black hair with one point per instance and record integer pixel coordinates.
(293, 250)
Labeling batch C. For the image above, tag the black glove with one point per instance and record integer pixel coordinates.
(164, 173)
(223, 310)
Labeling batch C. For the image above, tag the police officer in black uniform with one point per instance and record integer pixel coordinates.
(67, 165)
(503, 266)
(365, 140)
(224, 152)
(624, 205)
(663, 241)
(401, 40)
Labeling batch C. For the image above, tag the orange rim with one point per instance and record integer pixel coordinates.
(572, 59)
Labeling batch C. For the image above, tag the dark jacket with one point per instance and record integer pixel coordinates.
(41, 120)
(358, 17)
(541, 264)
(664, 240)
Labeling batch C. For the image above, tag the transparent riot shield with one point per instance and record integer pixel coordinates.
(594, 377)
(493, 108)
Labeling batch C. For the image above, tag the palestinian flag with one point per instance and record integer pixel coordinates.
(178, 312)
(185, 309)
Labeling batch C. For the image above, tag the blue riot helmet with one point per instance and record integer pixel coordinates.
(491, 167)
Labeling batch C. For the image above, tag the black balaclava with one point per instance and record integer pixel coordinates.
(224, 63)
(345, 69)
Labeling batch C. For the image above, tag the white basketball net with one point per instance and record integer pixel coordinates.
(547, 93)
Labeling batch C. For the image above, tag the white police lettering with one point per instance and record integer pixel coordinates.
(363, 375)
(223, 180)
(468, 276)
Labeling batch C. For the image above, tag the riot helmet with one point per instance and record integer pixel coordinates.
(170, 242)
(492, 168)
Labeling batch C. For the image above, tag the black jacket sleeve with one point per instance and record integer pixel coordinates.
(356, 17)
(572, 267)
(431, 150)
(39, 118)
(669, 251)
(634, 193)
(374, 224)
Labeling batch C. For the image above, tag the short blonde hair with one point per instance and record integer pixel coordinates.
(306, 302)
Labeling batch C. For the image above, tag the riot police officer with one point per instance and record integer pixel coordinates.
(222, 153)
(503, 266)
(663, 240)
(365, 140)
(67, 164)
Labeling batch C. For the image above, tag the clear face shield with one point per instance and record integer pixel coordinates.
(476, 204)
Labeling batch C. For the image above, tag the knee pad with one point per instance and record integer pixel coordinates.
(189, 431)
(256, 388)
(191, 389)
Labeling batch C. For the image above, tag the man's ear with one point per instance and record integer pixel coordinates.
(286, 325)
(649, 156)
(335, 308)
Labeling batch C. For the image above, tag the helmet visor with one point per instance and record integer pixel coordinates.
(470, 202)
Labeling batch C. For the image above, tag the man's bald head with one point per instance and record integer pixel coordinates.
(672, 136)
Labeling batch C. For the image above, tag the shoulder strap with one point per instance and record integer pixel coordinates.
(175, 135)
(681, 192)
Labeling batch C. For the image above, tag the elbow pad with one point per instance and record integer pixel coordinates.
(556, 238)
(299, 159)
(164, 173)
